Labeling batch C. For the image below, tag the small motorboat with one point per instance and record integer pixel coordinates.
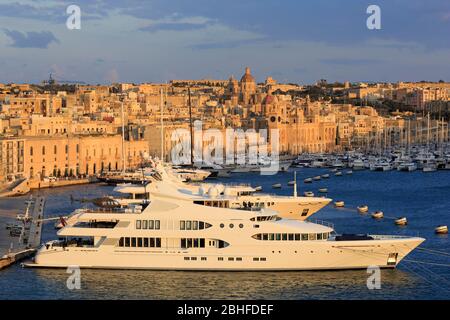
(325, 176)
(308, 180)
(291, 183)
(258, 188)
(441, 230)
(338, 174)
(334, 170)
(317, 178)
(349, 172)
(308, 194)
(276, 185)
(323, 190)
(378, 215)
(339, 204)
(402, 221)
(363, 209)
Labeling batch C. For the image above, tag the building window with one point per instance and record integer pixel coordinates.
(220, 258)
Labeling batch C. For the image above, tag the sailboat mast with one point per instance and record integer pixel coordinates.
(190, 126)
(162, 124)
(123, 137)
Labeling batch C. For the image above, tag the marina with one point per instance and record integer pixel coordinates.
(387, 192)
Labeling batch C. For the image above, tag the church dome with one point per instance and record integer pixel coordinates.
(247, 77)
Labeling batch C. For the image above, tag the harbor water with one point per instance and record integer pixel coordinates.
(424, 198)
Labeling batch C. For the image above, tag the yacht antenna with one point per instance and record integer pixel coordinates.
(295, 184)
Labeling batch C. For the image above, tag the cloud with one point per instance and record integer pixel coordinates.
(172, 26)
(31, 39)
(350, 61)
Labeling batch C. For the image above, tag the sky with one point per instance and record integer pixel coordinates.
(160, 40)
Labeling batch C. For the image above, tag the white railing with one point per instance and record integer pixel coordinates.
(322, 222)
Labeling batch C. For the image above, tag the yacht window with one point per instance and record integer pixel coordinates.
(121, 242)
(304, 237)
(241, 225)
(319, 236)
(138, 224)
(158, 242)
(202, 243)
(204, 259)
(291, 236)
(194, 258)
(312, 236)
(271, 236)
(188, 225)
(305, 212)
(194, 225)
(139, 242)
(157, 224)
(255, 259)
(222, 225)
(238, 259)
(230, 259)
(284, 236)
(151, 224)
(262, 259)
(146, 242)
(256, 226)
(183, 243)
(220, 258)
(152, 242)
(201, 225)
(257, 236)
(133, 242)
(186, 258)
(144, 224)
(231, 225)
(278, 236)
(196, 244)
(325, 236)
(189, 243)
(265, 236)
(127, 242)
(297, 237)
(182, 225)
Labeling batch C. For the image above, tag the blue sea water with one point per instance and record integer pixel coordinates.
(424, 198)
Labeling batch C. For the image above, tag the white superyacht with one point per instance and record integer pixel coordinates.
(177, 234)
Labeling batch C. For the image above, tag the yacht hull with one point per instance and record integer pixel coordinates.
(281, 256)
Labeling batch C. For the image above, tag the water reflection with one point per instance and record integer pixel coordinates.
(121, 284)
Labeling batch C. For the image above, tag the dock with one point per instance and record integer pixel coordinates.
(30, 236)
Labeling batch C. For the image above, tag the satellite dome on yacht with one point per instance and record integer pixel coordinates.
(213, 192)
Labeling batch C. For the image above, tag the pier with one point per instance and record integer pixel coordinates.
(30, 236)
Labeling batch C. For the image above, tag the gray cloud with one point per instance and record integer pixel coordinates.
(31, 39)
(173, 26)
(350, 61)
